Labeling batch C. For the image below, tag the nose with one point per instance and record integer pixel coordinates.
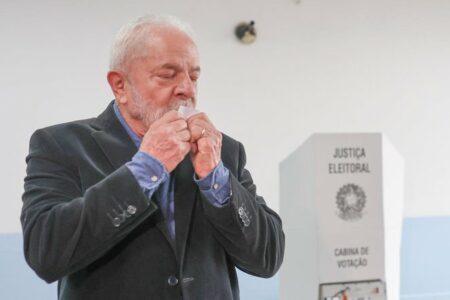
(186, 88)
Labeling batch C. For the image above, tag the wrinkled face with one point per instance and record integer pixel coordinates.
(164, 79)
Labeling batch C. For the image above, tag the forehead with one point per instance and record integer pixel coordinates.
(170, 46)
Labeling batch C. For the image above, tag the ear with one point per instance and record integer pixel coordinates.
(116, 80)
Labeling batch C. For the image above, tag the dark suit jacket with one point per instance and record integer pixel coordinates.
(88, 224)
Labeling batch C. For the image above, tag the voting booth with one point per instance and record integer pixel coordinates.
(341, 201)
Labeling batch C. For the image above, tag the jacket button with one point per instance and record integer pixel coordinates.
(241, 211)
(131, 209)
(172, 280)
(116, 222)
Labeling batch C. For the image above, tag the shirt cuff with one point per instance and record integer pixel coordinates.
(148, 171)
(216, 185)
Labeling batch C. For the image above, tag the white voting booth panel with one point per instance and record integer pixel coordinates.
(341, 205)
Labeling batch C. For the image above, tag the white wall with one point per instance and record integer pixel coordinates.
(317, 66)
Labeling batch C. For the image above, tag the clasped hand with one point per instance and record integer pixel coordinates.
(170, 138)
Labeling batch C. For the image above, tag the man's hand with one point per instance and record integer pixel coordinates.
(167, 140)
(206, 144)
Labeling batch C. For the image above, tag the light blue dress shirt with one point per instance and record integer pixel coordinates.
(154, 179)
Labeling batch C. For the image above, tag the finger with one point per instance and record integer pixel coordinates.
(177, 125)
(170, 116)
(200, 133)
(185, 148)
(200, 123)
(200, 129)
(169, 129)
(206, 145)
(196, 132)
(201, 119)
(199, 116)
(184, 135)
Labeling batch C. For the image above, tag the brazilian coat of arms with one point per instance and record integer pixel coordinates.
(350, 200)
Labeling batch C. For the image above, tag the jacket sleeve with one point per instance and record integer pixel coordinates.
(65, 229)
(247, 228)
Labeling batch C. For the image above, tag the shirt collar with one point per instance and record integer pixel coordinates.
(136, 140)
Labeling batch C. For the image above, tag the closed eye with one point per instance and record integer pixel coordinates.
(194, 76)
(167, 75)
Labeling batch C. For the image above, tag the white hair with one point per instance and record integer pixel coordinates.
(134, 38)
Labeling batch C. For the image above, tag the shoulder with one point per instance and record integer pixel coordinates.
(69, 126)
(60, 140)
(230, 145)
(80, 128)
(68, 131)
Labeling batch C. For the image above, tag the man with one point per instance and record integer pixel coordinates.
(145, 202)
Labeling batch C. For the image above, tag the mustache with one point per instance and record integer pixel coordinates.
(175, 105)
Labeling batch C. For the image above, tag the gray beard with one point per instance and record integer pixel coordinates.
(144, 111)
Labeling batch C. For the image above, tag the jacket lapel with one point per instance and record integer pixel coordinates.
(112, 138)
(185, 198)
